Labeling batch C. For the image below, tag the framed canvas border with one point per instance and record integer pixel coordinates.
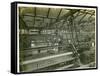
(14, 35)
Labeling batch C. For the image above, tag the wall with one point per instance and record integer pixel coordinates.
(5, 38)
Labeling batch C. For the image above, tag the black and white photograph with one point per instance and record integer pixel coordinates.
(55, 37)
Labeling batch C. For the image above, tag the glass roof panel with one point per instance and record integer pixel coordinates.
(64, 11)
(27, 11)
(54, 12)
(29, 24)
(28, 18)
(41, 12)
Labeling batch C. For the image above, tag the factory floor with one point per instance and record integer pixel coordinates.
(36, 56)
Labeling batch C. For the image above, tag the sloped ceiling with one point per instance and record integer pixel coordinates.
(44, 17)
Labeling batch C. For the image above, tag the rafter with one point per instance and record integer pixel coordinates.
(34, 14)
(59, 13)
(48, 12)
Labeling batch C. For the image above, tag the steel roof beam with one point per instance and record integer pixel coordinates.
(25, 26)
(40, 16)
(59, 13)
(64, 17)
(82, 18)
(48, 12)
(34, 15)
